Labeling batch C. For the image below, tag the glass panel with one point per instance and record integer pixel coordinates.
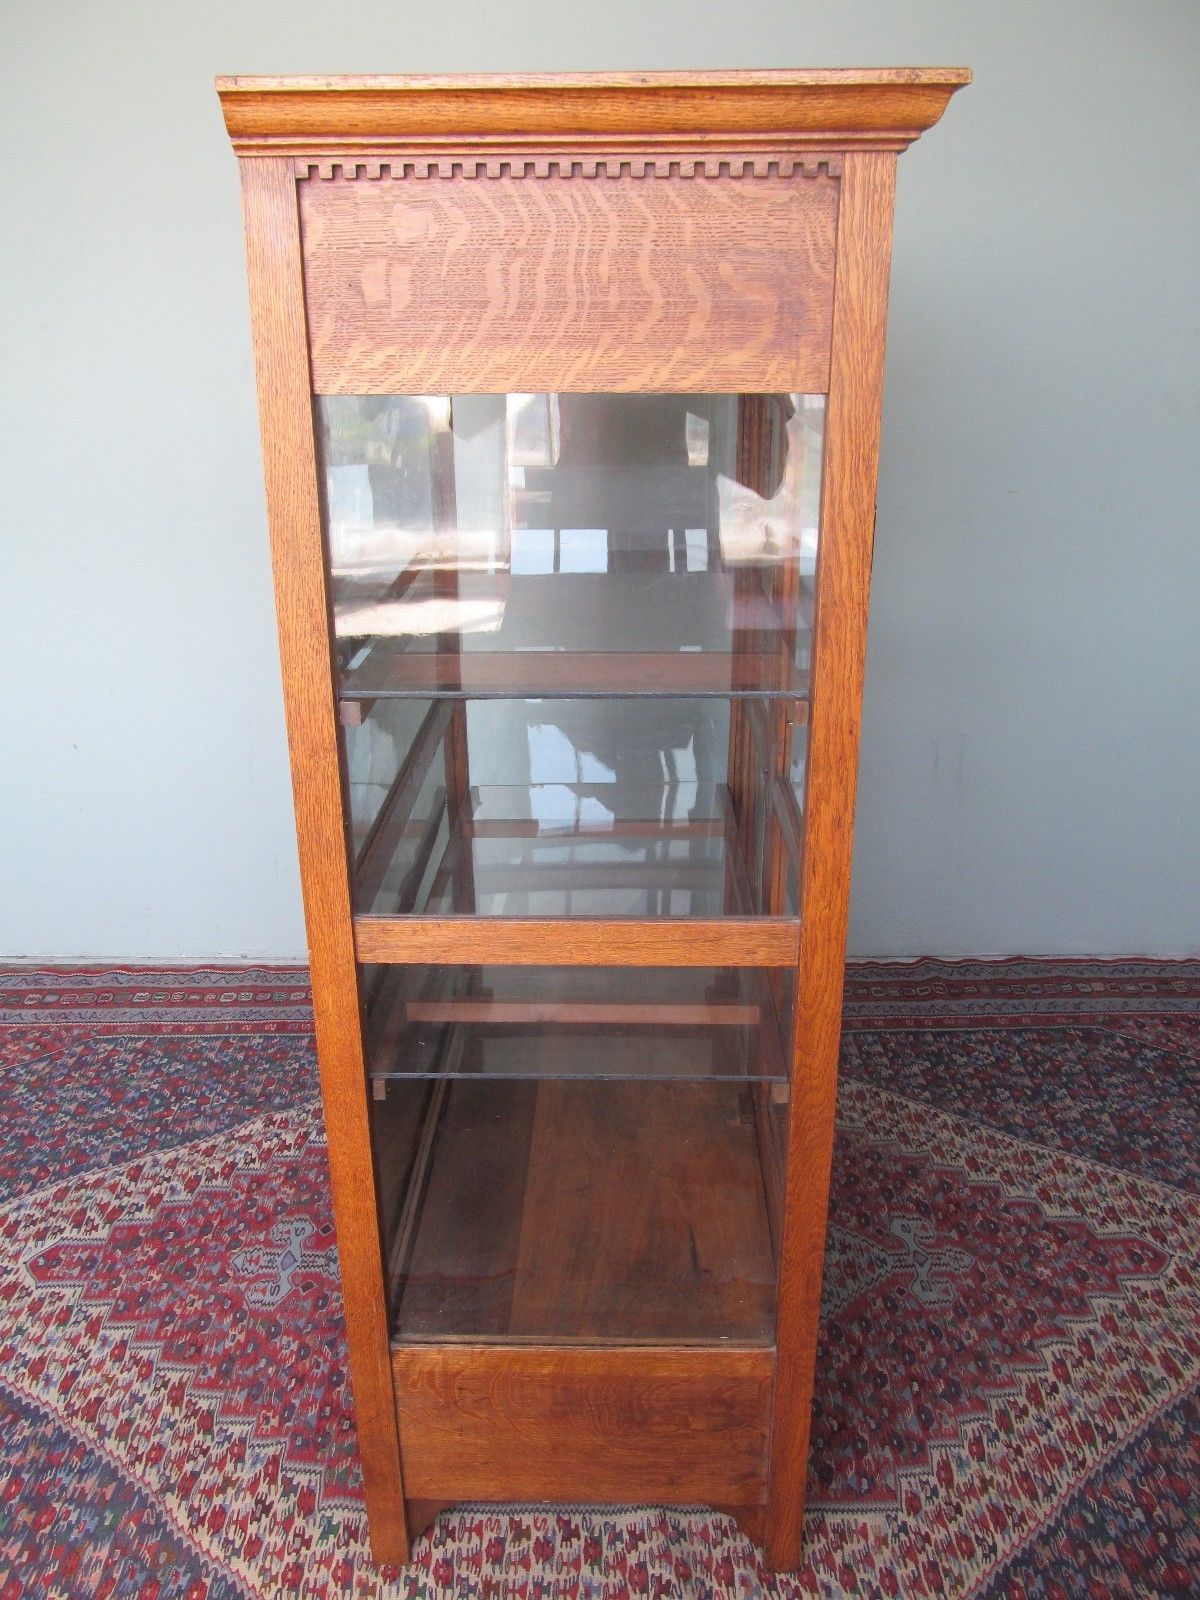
(573, 637)
(574, 1022)
(610, 808)
(399, 821)
(789, 796)
(571, 544)
(575, 1210)
(561, 850)
(660, 743)
(376, 749)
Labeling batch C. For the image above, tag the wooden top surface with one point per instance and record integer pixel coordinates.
(791, 77)
(882, 107)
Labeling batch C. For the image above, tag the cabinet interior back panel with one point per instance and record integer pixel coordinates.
(684, 284)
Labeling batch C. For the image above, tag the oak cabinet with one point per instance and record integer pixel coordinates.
(570, 397)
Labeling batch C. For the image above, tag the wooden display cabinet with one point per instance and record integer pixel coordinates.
(570, 394)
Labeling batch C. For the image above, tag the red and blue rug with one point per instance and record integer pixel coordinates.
(1008, 1394)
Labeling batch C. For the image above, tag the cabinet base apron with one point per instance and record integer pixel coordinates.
(588, 1426)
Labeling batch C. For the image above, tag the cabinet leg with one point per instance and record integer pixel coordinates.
(751, 1520)
(422, 1514)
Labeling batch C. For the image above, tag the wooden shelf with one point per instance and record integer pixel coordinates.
(582, 1212)
(581, 941)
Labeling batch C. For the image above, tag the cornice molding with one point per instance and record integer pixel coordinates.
(360, 118)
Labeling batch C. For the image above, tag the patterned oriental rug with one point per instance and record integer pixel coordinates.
(1007, 1396)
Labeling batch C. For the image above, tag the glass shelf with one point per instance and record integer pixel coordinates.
(691, 1023)
(576, 1211)
(384, 669)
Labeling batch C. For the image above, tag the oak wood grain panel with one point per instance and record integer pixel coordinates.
(885, 107)
(843, 580)
(290, 468)
(580, 941)
(644, 1216)
(593, 1424)
(580, 284)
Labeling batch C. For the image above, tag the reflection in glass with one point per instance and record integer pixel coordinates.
(571, 526)
(599, 808)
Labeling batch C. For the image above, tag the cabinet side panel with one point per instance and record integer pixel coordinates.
(616, 1424)
(843, 580)
(289, 460)
(427, 286)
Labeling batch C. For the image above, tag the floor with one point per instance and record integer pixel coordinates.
(1008, 1393)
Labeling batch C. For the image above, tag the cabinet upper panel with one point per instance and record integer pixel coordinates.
(484, 284)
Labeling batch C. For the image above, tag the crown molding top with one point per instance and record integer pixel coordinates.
(836, 108)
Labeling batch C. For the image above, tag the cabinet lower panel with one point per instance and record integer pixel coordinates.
(584, 1425)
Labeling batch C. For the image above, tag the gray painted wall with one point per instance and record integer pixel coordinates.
(1031, 758)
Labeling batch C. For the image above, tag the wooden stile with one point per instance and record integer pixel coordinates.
(289, 460)
(848, 524)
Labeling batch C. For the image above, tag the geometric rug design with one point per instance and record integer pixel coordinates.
(1008, 1387)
